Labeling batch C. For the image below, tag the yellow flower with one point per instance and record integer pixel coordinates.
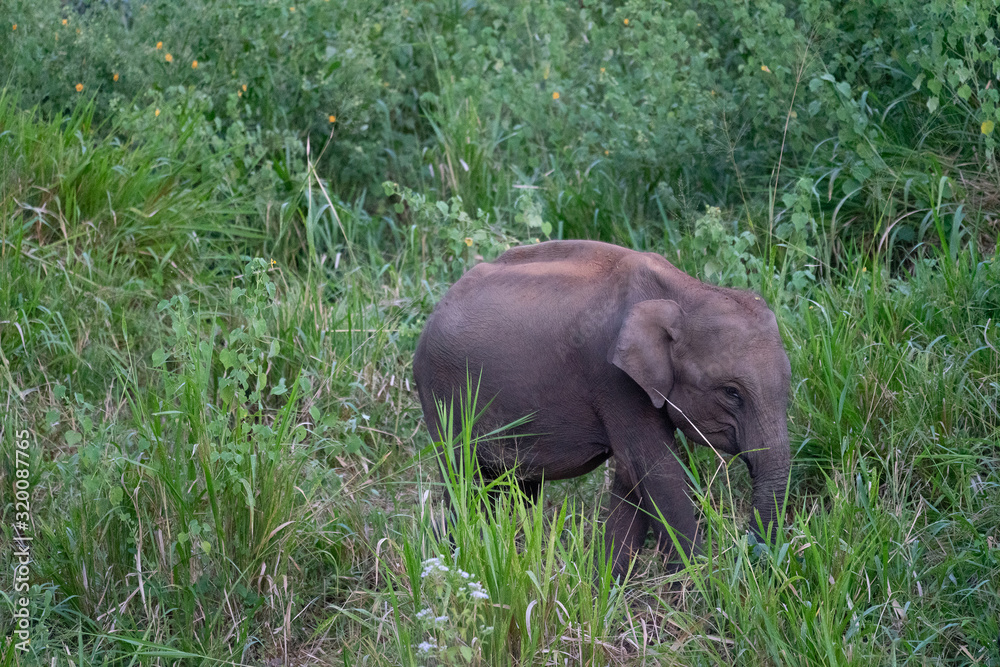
(65, 21)
(332, 118)
(468, 241)
(159, 45)
(79, 87)
(987, 127)
(169, 58)
(602, 70)
(239, 93)
(273, 263)
(625, 21)
(607, 152)
(115, 77)
(555, 95)
(291, 9)
(764, 68)
(194, 64)
(15, 26)
(156, 113)
(244, 87)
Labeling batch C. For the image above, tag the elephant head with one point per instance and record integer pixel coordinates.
(718, 366)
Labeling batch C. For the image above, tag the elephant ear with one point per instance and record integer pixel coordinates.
(643, 346)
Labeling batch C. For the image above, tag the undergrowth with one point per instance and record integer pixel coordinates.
(214, 268)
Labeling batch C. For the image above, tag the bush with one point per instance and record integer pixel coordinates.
(604, 109)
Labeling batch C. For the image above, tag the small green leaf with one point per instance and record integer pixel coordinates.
(159, 357)
(353, 443)
(932, 104)
(73, 438)
(466, 653)
(850, 186)
(987, 127)
(934, 86)
(965, 92)
(206, 547)
(227, 391)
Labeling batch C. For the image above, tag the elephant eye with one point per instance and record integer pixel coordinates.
(734, 394)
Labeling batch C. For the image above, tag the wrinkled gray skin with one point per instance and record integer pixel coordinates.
(590, 339)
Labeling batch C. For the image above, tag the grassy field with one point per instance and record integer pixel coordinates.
(222, 226)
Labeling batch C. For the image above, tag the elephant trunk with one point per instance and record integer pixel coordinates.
(769, 468)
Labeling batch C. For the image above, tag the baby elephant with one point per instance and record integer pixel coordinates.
(608, 351)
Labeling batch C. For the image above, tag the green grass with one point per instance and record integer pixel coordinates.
(209, 303)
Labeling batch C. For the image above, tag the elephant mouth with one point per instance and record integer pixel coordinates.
(722, 440)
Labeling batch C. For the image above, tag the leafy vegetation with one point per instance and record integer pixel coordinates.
(223, 224)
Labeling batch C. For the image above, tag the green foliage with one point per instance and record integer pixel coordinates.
(600, 108)
(450, 240)
(228, 450)
(200, 488)
(281, 69)
(724, 253)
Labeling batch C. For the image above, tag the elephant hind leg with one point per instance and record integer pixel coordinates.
(530, 489)
(627, 523)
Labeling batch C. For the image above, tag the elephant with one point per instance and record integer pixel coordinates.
(609, 351)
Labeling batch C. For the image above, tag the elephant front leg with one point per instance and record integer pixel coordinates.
(665, 492)
(650, 490)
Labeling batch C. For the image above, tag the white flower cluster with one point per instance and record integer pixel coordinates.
(429, 645)
(432, 565)
(445, 588)
(436, 566)
(476, 591)
(428, 615)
